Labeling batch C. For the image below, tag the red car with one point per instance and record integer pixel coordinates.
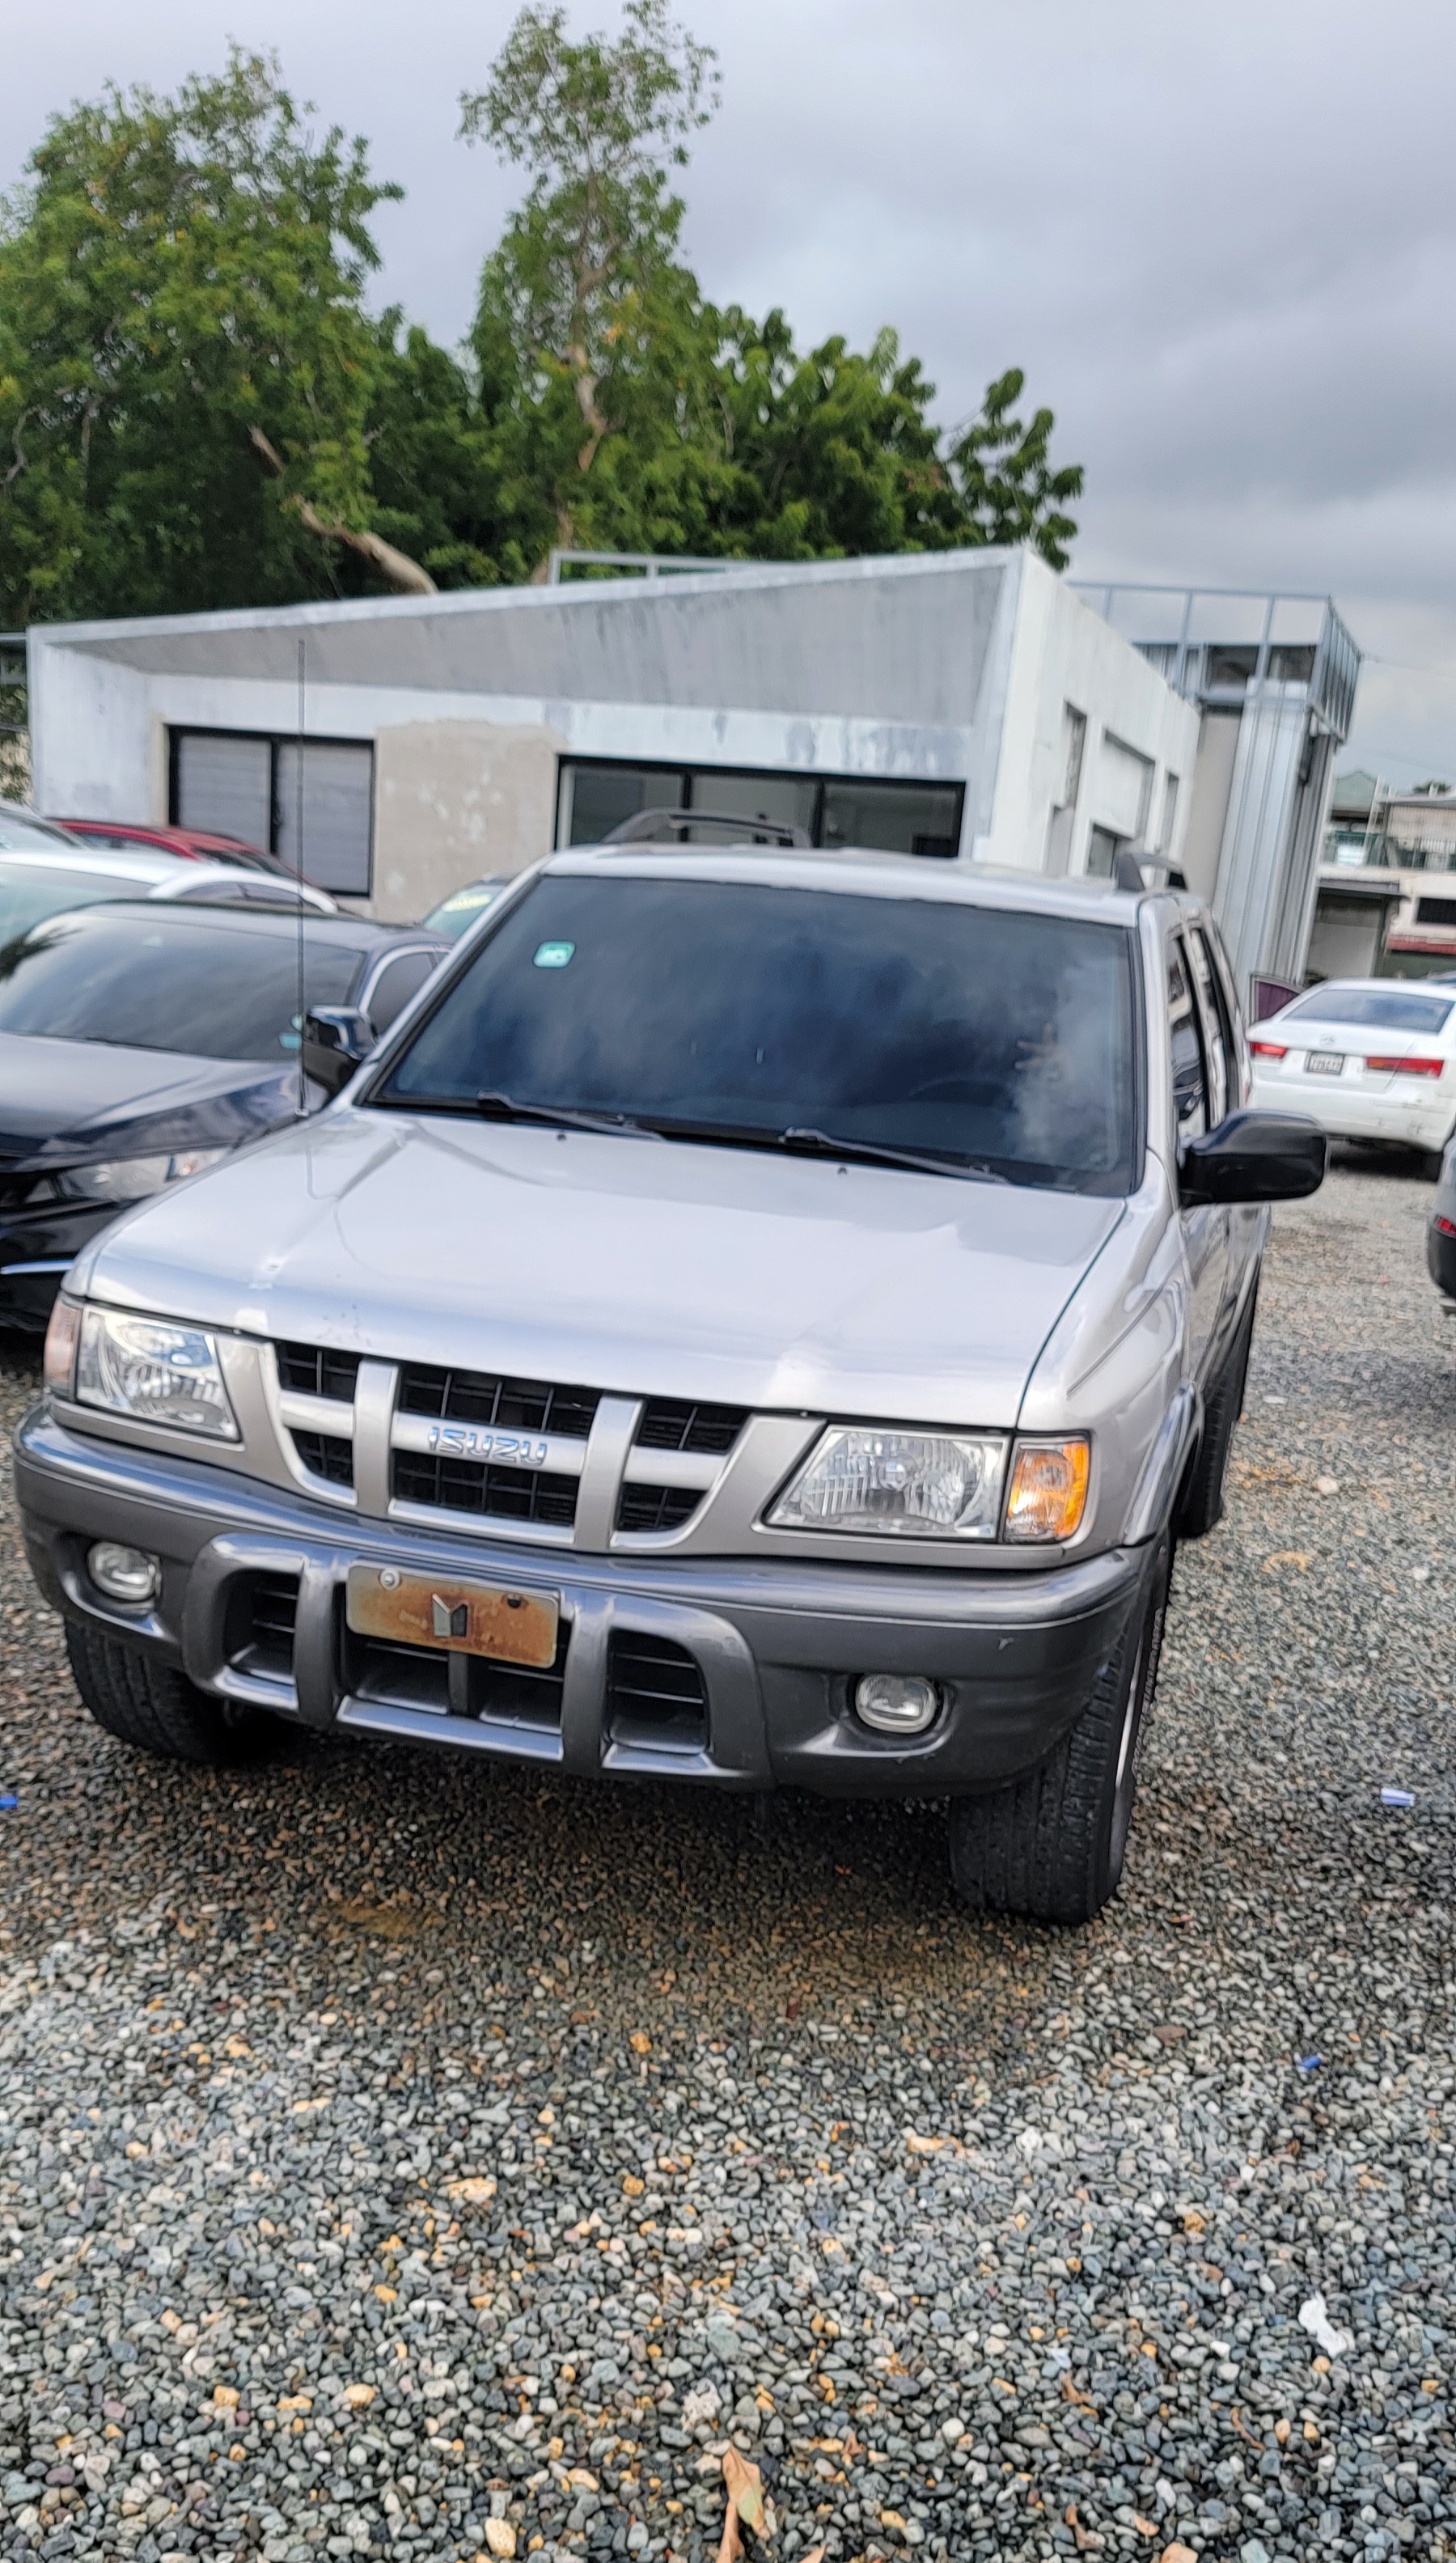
(120, 834)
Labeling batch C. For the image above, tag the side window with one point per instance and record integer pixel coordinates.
(397, 983)
(1216, 1030)
(1235, 1040)
(1190, 1093)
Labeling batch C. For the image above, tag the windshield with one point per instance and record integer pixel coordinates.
(1390, 1009)
(29, 893)
(982, 1036)
(20, 834)
(169, 982)
(462, 906)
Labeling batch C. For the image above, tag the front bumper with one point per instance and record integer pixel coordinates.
(252, 1607)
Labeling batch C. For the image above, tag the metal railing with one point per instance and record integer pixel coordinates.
(561, 566)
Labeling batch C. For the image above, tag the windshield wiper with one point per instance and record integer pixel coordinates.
(868, 1152)
(818, 1143)
(505, 1107)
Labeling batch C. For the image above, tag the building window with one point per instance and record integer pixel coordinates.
(1169, 813)
(280, 794)
(834, 810)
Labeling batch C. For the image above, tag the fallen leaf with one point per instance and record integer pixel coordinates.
(745, 2489)
(1299, 1557)
(1245, 2434)
(1073, 2394)
(358, 2396)
(730, 2549)
(500, 2536)
(476, 2192)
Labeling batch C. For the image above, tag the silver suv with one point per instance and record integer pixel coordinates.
(760, 1317)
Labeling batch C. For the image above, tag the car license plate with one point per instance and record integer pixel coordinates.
(1325, 1063)
(452, 1612)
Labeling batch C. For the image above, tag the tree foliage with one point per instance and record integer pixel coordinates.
(197, 409)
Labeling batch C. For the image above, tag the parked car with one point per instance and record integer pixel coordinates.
(37, 883)
(762, 1317)
(142, 1041)
(457, 914)
(1368, 1059)
(193, 845)
(1441, 1233)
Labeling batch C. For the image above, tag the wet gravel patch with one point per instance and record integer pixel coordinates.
(400, 2157)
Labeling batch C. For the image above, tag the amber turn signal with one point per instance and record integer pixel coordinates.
(61, 1335)
(1048, 1494)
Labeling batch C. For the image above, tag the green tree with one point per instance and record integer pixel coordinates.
(186, 365)
(625, 413)
(593, 343)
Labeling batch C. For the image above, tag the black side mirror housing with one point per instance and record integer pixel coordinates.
(336, 1041)
(1254, 1157)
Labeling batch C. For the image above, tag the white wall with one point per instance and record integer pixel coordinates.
(1065, 653)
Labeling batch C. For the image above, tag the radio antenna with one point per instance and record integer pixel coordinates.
(302, 984)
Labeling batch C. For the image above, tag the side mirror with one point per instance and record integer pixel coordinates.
(1254, 1157)
(336, 1041)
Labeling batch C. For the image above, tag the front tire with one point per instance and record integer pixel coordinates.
(151, 1706)
(1052, 1846)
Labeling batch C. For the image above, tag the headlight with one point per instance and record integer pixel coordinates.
(159, 1373)
(914, 1486)
(1048, 1488)
(123, 1179)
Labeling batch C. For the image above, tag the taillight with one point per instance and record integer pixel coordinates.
(1269, 1050)
(1447, 1227)
(1408, 1067)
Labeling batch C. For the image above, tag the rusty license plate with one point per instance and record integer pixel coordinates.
(453, 1612)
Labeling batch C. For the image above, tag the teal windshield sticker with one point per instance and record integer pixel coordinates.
(552, 957)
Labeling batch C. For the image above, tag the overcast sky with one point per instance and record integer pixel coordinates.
(1222, 243)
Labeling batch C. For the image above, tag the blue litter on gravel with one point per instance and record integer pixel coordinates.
(8, 1798)
(1307, 2063)
(1398, 1797)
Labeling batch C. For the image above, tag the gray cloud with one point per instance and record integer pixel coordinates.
(1222, 244)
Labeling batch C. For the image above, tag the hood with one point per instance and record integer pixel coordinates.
(639, 1265)
(62, 1101)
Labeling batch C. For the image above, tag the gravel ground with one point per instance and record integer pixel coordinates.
(401, 2156)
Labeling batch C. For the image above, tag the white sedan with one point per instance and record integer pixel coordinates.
(1368, 1059)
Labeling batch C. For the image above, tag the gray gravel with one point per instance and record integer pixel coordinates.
(400, 2156)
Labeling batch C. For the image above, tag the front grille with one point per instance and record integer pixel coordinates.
(327, 1455)
(481, 1397)
(261, 1610)
(673, 1424)
(656, 1694)
(315, 1370)
(27, 1192)
(657, 1508)
(468, 1487)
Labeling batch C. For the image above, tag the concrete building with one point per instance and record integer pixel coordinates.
(1396, 853)
(961, 706)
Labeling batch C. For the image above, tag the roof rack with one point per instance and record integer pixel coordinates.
(648, 827)
(1127, 869)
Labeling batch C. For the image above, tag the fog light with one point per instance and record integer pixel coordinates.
(896, 1703)
(123, 1574)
